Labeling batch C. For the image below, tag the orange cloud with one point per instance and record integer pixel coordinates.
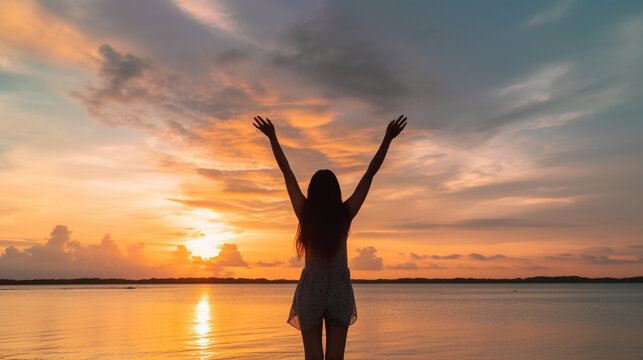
(26, 27)
(62, 257)
(367, 260)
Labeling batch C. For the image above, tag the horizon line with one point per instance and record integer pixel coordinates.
(230, 280)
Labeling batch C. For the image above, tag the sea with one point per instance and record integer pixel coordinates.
(395, 321)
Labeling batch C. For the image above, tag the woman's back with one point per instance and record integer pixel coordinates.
(324, 291)
(339, 262)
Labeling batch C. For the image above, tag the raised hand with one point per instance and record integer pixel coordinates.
(265, 126)
(395, 127)
(294, 192)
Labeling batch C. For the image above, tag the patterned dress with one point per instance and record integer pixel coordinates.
(324, 291)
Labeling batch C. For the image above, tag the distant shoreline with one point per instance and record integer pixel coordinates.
(215, 280)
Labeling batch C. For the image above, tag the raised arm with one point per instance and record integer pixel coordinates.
(297, 198)
(354, 203)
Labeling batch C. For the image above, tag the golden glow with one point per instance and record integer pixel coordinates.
(24, 25)
(205, 247)
(208, 232)
(202, 325)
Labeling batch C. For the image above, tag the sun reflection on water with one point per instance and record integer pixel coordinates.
(202, 324)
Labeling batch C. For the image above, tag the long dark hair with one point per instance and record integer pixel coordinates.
(324, 221)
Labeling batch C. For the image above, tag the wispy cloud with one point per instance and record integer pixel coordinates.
(493, 223)
(551, 15)
(268, 263)
(476, 256)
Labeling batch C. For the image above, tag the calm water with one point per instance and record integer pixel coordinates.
(395, 321)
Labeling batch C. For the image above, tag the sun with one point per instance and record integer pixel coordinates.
(206, 232)
(205, 247)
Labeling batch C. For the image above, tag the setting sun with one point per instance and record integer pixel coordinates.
(205, 247)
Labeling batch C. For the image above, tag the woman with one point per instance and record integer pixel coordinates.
(324, 289)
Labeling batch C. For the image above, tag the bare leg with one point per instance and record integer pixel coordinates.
(335, 342)
(313, 343)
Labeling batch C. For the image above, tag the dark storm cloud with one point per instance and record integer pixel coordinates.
(119, 68)
(117, 72)
(229, 57)
(334, 51)
(158, 27)
(137, 92)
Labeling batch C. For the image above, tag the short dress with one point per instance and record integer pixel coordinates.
(324, 291)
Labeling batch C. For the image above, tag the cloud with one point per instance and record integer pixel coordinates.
(449, 257)
(244, 181)
(537, 87)
(296, 262)
(332, 50)
(561, 256)
(476, 256)
(62, 257)
(182, 255)
(119, 70)
(228, 256)
(435, 257)
(485, 223)
(211, 13)
(16, 242)
(419, 257)
(367, 260)
(601, 255)
(29, 29)
(150, 95)
(602, 259)
(410, 265)
(230, 56)
(551, 15)
(268, 264)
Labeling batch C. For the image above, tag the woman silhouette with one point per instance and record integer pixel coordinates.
(324, 290)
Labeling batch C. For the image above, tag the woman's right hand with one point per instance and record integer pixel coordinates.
(265, 126)
(395, 127)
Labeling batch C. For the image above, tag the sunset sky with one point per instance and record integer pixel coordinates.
(127, 150)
